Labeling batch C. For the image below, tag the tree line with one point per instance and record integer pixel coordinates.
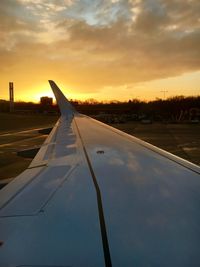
(176, 108)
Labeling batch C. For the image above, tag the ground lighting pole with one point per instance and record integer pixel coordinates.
(164, 93)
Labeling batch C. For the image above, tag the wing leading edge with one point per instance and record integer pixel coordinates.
(132, 204)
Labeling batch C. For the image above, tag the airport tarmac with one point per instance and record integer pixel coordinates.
(180, 139)
(10, 143)
(19, 132)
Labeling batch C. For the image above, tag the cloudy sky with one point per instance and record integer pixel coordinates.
(103, 49)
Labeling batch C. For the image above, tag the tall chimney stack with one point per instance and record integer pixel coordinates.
(11, 91)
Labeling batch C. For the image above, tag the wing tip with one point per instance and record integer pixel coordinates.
(52, 84)
(51, 81)
(64, 104)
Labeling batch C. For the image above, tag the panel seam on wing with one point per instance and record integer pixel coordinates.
(105, 242)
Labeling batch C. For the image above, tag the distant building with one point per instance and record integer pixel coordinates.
(11, 94)
(46, 101)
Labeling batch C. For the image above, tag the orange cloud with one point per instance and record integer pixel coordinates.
(112, 44)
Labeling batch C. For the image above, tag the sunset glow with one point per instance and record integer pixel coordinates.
(105, 50)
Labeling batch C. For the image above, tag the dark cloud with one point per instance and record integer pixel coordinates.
(14, 17)
(149, 47)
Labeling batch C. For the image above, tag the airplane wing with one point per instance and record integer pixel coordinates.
(95, 196)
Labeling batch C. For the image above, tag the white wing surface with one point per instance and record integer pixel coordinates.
(95, 196)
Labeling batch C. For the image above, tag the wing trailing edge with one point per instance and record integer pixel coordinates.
(64, 105)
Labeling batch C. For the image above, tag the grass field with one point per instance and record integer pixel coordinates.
(18, 132)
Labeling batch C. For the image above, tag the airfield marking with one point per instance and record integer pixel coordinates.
(18, 142)
(20, 132)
